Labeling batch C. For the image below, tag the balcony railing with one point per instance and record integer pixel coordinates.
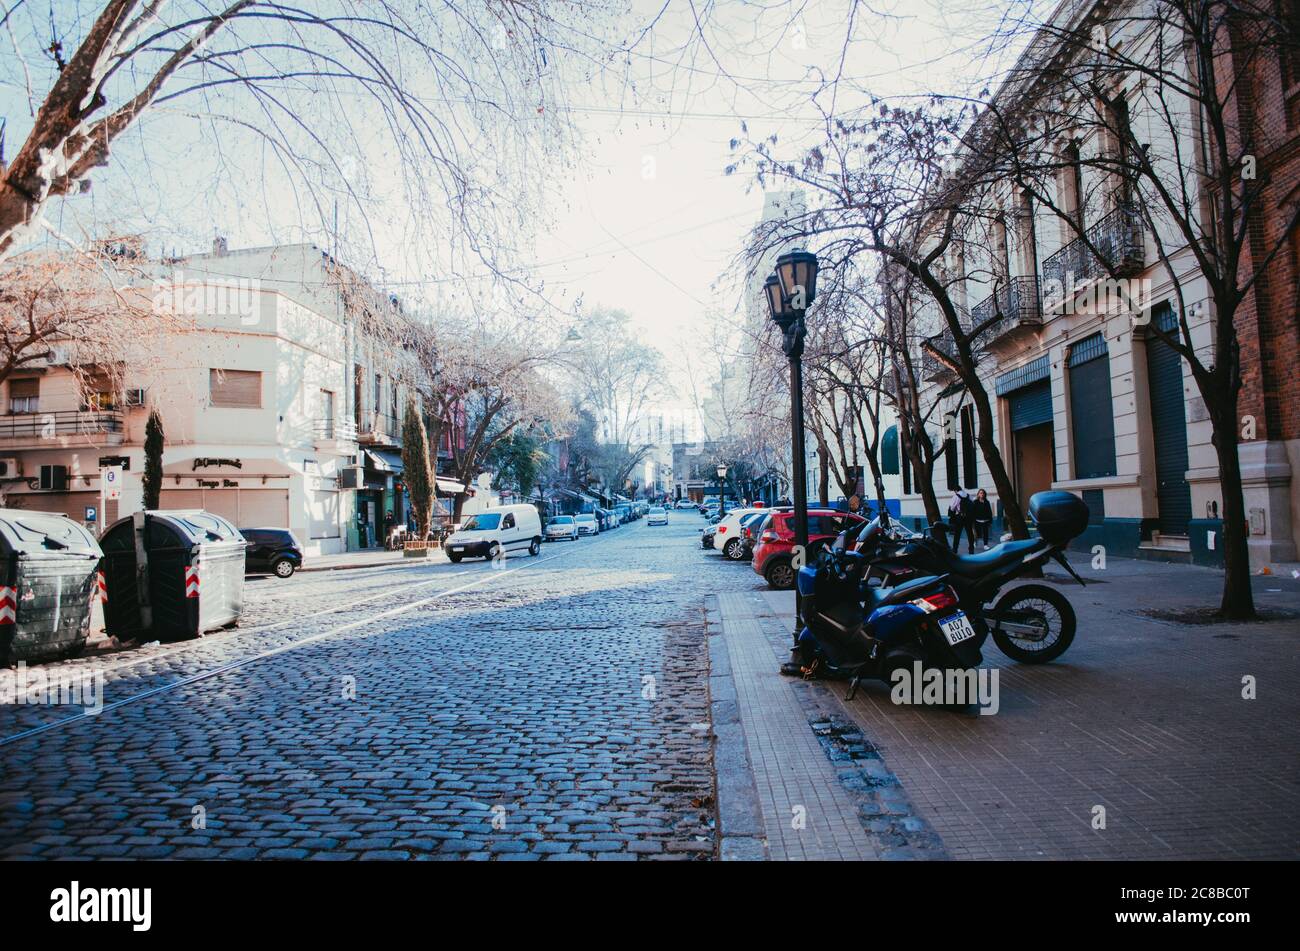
(335, 430)
(1015, 304)
(38, 426)
(1118, 239)
(380, 429)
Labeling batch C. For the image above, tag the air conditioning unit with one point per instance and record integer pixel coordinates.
(58, 356)
(54, 478)
(351, 478)
(10, 469)
(135, 397)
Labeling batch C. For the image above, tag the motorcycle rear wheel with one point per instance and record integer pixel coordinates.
(1036, 606)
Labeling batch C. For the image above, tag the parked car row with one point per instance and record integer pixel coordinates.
(573, 527)
(765, 538)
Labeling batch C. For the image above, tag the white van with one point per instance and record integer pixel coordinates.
(501, 528)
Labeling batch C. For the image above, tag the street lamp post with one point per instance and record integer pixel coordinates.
(722, 491)
(790, 291)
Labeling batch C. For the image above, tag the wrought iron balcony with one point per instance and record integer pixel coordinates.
(333, 430)
(1015, 304)
(380, 429)
(100, 427)
(1119, 240)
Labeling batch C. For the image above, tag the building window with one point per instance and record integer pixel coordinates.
(950, 451)
(235, 389)
(1072, 190)
(1117, 117)
(1092, 420)
(889, 451)
(24, 395)
(969, 465)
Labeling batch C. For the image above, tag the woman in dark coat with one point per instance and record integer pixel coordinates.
(982, 516)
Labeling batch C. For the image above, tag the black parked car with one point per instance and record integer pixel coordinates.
(271, 549)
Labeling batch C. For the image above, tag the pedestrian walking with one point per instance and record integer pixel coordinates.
(959, 518)
(982, 515)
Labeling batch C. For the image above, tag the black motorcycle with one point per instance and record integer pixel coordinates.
(916, 625)
(1031, 623)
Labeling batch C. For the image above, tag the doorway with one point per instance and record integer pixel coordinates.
(1033, 440)
(1034, 462)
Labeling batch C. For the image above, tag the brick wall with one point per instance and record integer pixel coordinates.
(1268, 321)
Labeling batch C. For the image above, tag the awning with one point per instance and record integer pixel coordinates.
(384, 461)
(451, 487)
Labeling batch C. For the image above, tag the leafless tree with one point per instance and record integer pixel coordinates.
(1169, 99)
(458, 96)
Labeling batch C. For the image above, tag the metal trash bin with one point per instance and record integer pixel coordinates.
(47, 583)
(192, 579)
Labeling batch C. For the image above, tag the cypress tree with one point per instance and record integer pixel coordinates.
(153, 451)
(418, 474)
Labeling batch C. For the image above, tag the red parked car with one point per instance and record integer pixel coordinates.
(774, 551)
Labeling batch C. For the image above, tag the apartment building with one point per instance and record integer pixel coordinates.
(278, 408)
(1086, 397)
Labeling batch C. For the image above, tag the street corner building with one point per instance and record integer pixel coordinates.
(278, 409)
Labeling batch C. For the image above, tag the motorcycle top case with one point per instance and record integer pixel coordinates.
(1059, 516)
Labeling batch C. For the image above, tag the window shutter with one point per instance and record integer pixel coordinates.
(950, 454)
(19, 389)
(970, 474)
(236, 389)
(1092, 420)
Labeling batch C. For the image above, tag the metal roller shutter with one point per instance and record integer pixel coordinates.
(1031, 405)
(1169, 425)
(1092, 414)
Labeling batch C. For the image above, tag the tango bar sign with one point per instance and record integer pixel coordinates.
(209, 463)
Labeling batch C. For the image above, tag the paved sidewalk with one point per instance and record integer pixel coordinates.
(1143, 716)
(815, 788)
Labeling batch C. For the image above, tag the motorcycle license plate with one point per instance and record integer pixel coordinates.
(957, 628)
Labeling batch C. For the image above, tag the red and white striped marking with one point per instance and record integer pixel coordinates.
(192, 581)
(8, 605)
(101, 583)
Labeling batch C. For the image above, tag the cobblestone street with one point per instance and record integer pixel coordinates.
(551, 708)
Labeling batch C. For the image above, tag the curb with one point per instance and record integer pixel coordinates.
(374, 564)
(741, 835)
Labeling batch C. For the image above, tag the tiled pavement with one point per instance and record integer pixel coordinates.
(1141, 716)
(806, 813)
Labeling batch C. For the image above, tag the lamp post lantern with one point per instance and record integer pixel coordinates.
(722, 490)
(790, 292)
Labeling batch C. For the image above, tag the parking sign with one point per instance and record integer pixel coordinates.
(112, 478)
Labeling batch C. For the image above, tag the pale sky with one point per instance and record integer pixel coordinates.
(646, 222)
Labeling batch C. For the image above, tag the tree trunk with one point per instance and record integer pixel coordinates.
(1238, 602)
(823, 475)
(922, 474)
